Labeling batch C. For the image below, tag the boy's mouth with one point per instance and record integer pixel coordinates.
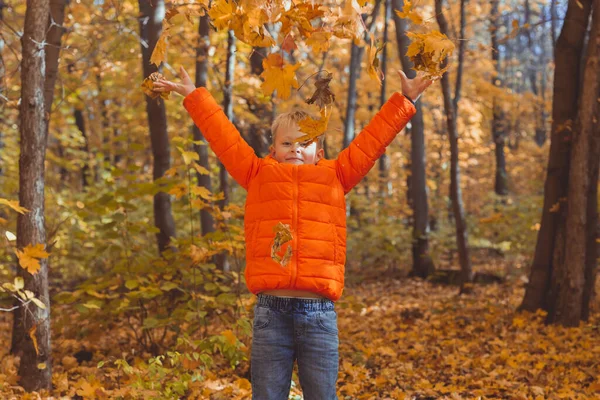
(294, 160)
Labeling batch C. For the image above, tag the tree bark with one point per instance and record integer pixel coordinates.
(384, 161)
(564, 110)
(207, 222)
(451, 108)
(259, 133)
(34, 322)
(356, 54)
(2, 88)
(498, 123)
(80, 123)
(152, 14)
(222, 261)
(423, 265)
(569, 277)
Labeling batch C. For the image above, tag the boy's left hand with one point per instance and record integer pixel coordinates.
(413, 88)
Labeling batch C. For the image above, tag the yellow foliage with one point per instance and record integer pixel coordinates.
(14, 205)
(30, 256)
(278, 76)
(428, 50)
(410, 13)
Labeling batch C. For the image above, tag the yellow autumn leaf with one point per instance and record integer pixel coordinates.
(30, 256)
(314, 127)
(410, 13)
(230, 336)
(148, 86)
(243, 384)
(179, 190)
(373, 61)
(189, 156)
(278, 76)
(14, 205)
(160, 50)
(428, 50)
(221, 13)
(202, 192)
(319, 41)
(283, 234)
(200, 169)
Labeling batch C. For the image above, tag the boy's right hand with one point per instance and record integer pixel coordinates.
(184, 88)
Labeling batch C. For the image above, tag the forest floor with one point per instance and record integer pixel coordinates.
(399, 339)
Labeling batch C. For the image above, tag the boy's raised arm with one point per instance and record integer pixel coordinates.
(354, 162)
(225, 140)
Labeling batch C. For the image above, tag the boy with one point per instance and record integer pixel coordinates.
(294, 316)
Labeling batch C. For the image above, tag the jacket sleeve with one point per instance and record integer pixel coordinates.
(224, 139)
(355, 161)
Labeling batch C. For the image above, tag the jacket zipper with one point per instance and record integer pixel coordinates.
(294, 228)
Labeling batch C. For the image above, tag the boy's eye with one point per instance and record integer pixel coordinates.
(286, 143)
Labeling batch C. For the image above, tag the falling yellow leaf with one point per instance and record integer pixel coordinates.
(278, 76)
(221, 13)
(30, 256)
(14, 205)
(159, 52)
(314, 128)
(410, 13)
(319, 41)
(373, 61)
(428, 50)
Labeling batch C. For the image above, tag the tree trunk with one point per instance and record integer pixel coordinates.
(80, 123)
(498, 123)
(564, 110)
(222, 261)
(451, 107)
(356, 54)
(569, 277)
(259, 133)
(2, 88)
(54, 40)
(384, 161)
(152, 14)
(423, 265)
(33, 322)
(206, 219)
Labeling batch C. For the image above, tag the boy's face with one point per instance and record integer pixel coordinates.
(286, 151)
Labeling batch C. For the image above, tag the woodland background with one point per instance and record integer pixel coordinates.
(472, 245)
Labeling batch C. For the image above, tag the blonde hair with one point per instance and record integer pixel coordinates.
(289, 119)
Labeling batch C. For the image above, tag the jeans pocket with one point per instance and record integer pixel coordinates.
(262, 318)
(327, 321)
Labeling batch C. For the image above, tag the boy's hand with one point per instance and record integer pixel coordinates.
(413, 88)
(184, 88)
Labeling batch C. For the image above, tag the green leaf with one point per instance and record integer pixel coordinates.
(39, 303)
(132, 284)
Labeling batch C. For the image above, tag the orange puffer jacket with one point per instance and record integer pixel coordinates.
(310, 198)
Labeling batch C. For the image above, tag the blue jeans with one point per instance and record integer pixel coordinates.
(288, 329)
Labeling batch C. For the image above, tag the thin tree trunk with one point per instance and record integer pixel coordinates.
(384, 161)
(259, 133)
(33, 322)
(222, 261)
(2, 88)
(356, 54)
(451, 107)
(152, 14)
(206, 219)
(498, 123)
(568, 279)
(423, 265)
(80, 123)
(564, 110)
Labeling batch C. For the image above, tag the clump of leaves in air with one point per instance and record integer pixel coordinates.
(283, 234)
(322, 97)
(148, 86)
(429, 50)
